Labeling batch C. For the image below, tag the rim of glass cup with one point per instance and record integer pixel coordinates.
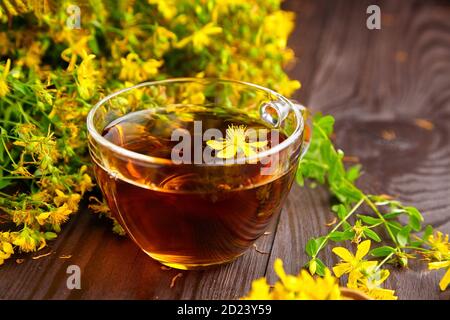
(156, 160)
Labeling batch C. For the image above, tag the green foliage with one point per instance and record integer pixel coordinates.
(324, 164)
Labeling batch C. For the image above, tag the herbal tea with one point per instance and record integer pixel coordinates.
(189, 215)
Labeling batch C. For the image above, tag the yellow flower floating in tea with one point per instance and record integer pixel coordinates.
(236, 143)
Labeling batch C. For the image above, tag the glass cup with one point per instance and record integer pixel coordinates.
(196, 208)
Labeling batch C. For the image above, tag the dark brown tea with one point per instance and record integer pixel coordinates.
(188, 215)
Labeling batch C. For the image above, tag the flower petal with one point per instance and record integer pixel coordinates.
(258, 144)
(228, 152)
(382, 294)
(342, 268)
(216, 144)
(248, 151)
(363, 249)
(438, 265)
(368, 265)
(343, 253)
(279, 270)
(353, 278)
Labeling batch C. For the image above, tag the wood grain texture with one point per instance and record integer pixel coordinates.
(373, 82)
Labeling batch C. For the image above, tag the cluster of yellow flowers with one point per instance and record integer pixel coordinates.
(362, 274)
(52, 71)
(364, 277)
(300, 287)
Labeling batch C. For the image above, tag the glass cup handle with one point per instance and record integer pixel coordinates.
(307, 127)
(274, 112)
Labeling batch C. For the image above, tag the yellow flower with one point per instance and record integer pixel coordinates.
(6, 249)
(87, 76)
(235, 143)
(439, 255)
(445, 281)
(260, 290)
(370, 283)
(25, 240)
(162, 40)
(98, 206)
(32, 58)
(193, 94)
(167, 7)
(135, 70)
(278, 26)
(42, 217)
(4, 88)
(200, 38)
(440, 246)
(76, 47)
(300, 287)
(353, 264)
(71, 200)
(359, 231)
(85, 184)
(59, 215)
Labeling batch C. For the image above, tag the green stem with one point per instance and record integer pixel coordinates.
(381, 217)
(7, 151)
(17, 177)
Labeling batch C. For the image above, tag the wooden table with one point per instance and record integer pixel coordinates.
(376, 83)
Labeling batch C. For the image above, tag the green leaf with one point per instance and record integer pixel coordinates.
(394, 213)
(325, 123)
(395, 224)
(299, 178)
(403, 236)
(353, 173)
(428, 232)
(416, 244)
(346, 226)
(4, 183)
(382, 251)
(340, 211)
(372, 235)
(415, 223)
(415, 218)
(369, 220)
(311, 247)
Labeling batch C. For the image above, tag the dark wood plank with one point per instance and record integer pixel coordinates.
(375, 82)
